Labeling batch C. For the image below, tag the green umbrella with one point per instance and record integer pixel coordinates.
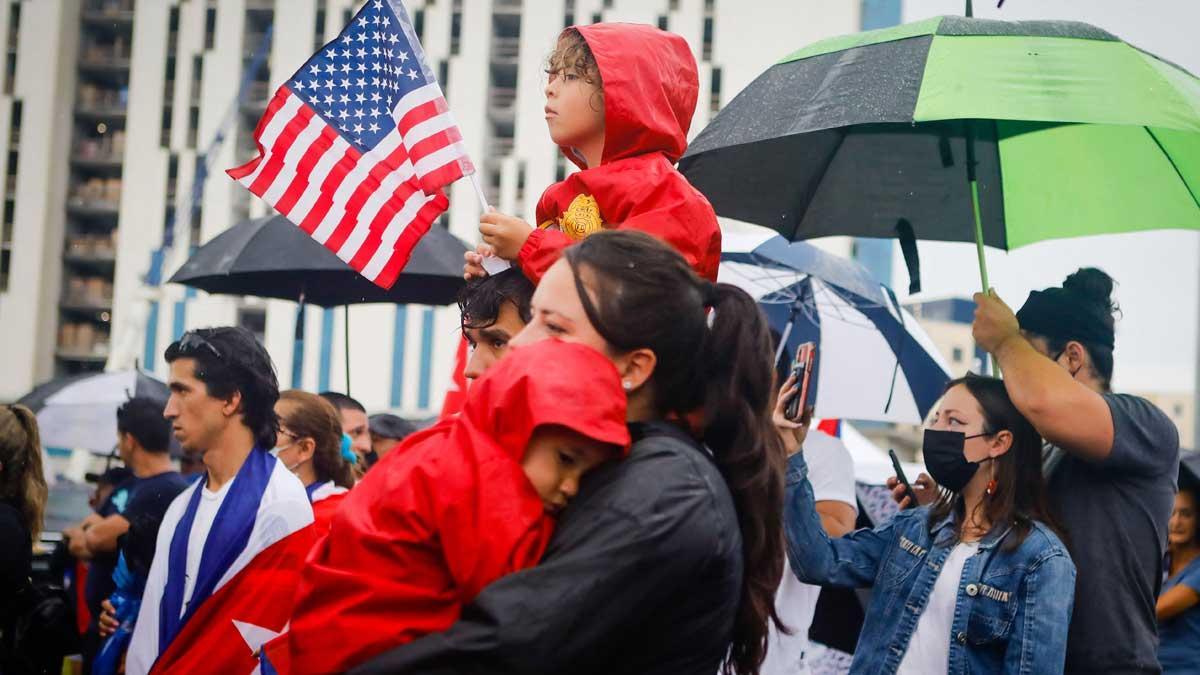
(959, 129)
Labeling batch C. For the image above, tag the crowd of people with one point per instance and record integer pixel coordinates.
(622, 491)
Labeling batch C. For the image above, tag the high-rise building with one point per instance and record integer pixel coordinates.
(110, 108)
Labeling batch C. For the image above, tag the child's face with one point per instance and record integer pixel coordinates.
(555, 460)
(574, 109)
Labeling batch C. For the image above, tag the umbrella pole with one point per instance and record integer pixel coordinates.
(346, 326)
(969, 137)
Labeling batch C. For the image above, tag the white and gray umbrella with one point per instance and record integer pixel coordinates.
(874, 360)
(81, 411)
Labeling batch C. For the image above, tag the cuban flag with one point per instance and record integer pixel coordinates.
(249, 569)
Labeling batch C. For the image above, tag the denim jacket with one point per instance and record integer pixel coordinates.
(1012, 610)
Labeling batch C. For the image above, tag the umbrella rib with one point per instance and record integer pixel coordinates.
(1171, 160)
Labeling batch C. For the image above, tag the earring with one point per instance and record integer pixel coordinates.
(628, 385)
(991, 486)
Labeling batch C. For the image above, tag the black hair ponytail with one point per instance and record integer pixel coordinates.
(713, 351)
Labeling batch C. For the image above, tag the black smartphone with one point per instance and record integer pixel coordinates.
(908, 490)
(802, 367)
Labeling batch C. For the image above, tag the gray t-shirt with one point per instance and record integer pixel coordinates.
(1115, 514)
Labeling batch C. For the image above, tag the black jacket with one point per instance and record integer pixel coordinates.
(643, 575)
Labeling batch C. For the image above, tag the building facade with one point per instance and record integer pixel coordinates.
(110, 108)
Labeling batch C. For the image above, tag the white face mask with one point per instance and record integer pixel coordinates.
(275, 452)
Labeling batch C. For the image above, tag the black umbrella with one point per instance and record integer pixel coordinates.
(272, 258)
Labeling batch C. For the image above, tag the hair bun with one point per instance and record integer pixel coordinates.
(1093, 284)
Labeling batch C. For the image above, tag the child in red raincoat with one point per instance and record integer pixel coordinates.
(455, 507)
(619, 101)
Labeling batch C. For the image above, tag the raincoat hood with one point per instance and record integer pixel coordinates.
(547, 383)
(650, 89)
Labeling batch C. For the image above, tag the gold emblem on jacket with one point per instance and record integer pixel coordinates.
(581, 218)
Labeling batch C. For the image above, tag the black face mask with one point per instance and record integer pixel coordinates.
(944, 458)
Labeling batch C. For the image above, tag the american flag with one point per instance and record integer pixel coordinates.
(356, 147)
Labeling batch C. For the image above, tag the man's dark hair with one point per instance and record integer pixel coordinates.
(230, 359)
(142, 418)
(481, 299)
(342, 401)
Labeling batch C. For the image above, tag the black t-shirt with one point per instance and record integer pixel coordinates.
(1115, 513)
(99, 580)
(147, 504)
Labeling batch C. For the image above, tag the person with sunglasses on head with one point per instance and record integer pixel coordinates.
(310, 443)
(230, 547)
(976, 583)
(1111, 461)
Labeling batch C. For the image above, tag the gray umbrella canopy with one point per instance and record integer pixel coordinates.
(81, 411)
(272, 258)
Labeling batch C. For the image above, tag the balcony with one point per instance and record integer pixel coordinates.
(502, 105)
(506, 50)
(104, 58)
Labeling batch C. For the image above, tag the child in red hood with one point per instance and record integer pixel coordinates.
(455, 507)
(619, 101)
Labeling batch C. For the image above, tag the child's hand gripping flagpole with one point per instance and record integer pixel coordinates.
(491, 263)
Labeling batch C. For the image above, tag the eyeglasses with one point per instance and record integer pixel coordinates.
(191, 342)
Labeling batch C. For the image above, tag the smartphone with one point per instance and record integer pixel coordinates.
(908, 491)
(802, 368)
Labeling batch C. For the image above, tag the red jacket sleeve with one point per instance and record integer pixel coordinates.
(541, 250)
(490, 531)
(687, 228)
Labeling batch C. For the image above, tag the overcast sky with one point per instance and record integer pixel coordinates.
(1158, 272)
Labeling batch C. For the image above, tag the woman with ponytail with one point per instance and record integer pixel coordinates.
(1111, 461)
(22, 505)
(668, 561)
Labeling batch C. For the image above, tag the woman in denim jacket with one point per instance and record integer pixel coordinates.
(976, 583)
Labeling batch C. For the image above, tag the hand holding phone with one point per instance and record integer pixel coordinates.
(802, 367)
(903, 480)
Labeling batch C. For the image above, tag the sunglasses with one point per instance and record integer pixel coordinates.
(193, 342)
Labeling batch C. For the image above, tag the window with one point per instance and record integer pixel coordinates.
(456, 20)
(957, 355)
(319, 30)
(714, 102)
(419, 23)
(662, 22)
(14, 32)
(708, 39)
(210, 27)
(253, 319)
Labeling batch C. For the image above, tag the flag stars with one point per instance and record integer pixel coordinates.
(412, 74)
(360, 53)
(359, 114)
(346, 39)
(314, 69)
(374, 113)
(359, 98)
(362, 21)
(343, 114)
(298, 85)
(373, 128)
(403, 57)
(386, 22)
(362, 37)
(343, 99)
(361, 83)
(328, 99)
(331, 53)
(358, 128)
(330, 68)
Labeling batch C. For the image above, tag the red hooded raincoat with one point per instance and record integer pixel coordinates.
(446, 513)
(650, 89)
